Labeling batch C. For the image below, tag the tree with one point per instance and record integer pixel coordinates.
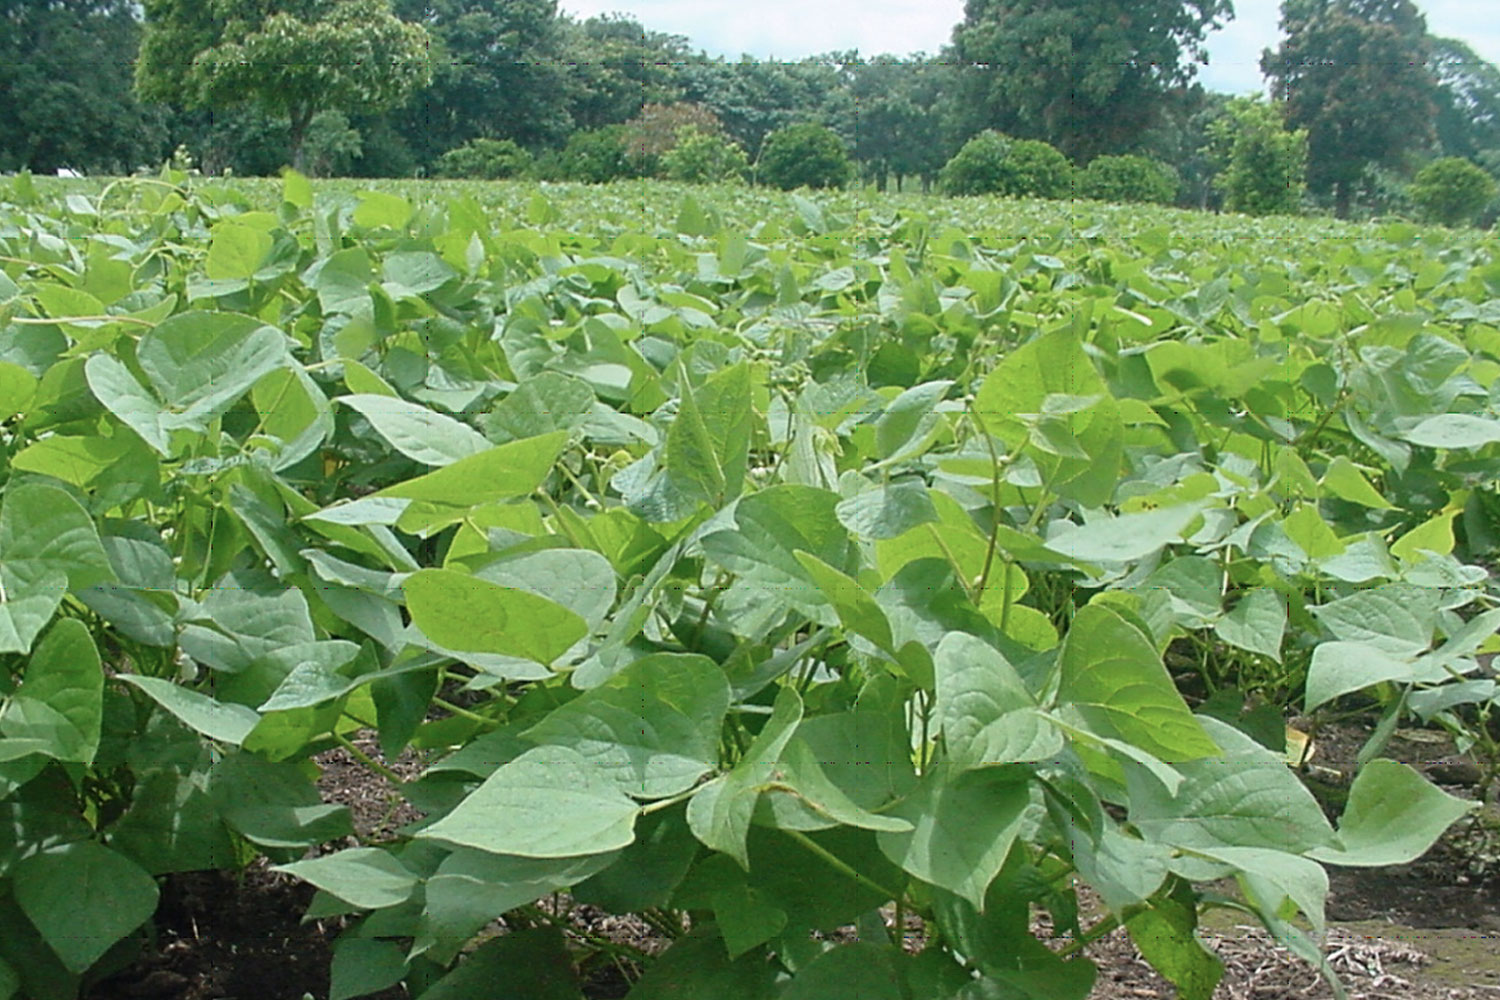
(1467, 98)
(899, 124)
(805, 156)
(65, 74)
(657, 129)
(1452, 191)
(1122, 179)
(1353, 74)
(616, 67)
(1089, 76)
(485, 159)
(290, 58)
(705, 158)
(1262, 165)
(991, 163)
(754, 98)
(498, 73)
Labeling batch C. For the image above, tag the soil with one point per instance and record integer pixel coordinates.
(1429, 930)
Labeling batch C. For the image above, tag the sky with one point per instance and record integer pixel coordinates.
(792, 29)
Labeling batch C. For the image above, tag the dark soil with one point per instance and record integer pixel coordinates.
(1425, 931)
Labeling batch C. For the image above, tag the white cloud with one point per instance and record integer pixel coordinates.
(792, 29)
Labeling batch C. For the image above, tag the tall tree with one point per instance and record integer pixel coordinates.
(1088, 76)
(1353, 74)
(292, 58)
(1468, 99)
(498, 73)
(65, 74)
(616, 67)
(899, 124)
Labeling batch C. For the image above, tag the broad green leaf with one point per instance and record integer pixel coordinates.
(61, 698)
(382, 210)
(80, 461)
(362, 966)
(342, 281)
(1434, 535)
(172, 824)
(653, 728)
(273, 803)
(17, 386)
(1345, 481)
(707, 447)
(1339, 668)
(48, 545)
(420, 434)
(1393, 816)
(1271, 877)
(548, 402)
(294, 411)
(235, 251)
(984, 709)
(964, 823)
(1164, 932)
(83, 898)
(860, 970)
(578, 579)
(296, 189)
(800, 774)
(1243, 797)
(502, 473)
(903, 428)
(410, 274)
(1257, 623)
(697, 967)
(745, 918)
(854, 605)
(887, 511)
(462, 612)
(524, 965)
(1113, 675)
(1397, 618)
(121, 394)
(550, 802)
(470, 887)
(366, 877)
(719, 812)
(1123, 537)
(1454, 430)
(200, 363)
(647, 872)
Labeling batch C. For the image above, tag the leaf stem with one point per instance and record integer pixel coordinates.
(464, 713)
(839, 865)
(367, 760)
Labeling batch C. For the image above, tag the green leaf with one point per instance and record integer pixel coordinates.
(887, 511)
(903, 428)
(462, 612)
(274, 804)
(48, 545)
(342, 282)
(648, 871)
(200, 363)
(1113, 675)
(653, 728)
(1165, 935)
(1393, 816)
(235, 251)
(1454, 430)
(525, 965)
(549, 802)
(1124, 537)
(17, 386)
(417, 432)
(1338, 668)
(119, 392)
(503, 473)
(1396, 618)
(61, 698)
(719, 812)
(83, 898)
(707, 447)
(366, 877)
(854, 605)
(801, 774)
(985, 711)
(745, 918)
(964, 823)
(859, 970)
(382, 210)
(1257, 623)
(1345, 481)
(547, 402)
(696, 967)
(362, 966)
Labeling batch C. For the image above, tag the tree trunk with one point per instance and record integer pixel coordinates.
(1341, 199)
(297, 131)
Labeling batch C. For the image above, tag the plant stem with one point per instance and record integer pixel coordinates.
(839, 865)
(1094, 933)
(367, 760)
(464, 713)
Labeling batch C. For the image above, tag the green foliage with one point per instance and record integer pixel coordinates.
(1088, 76)
(1452, 191)
(331, 145)
(1353, 74)
(1261, 163)
(291, 61)
(595, 157)
(1128, 179)
(991, 163)
(705, 158)
(659, 127)
(764, 624)
(804, 156)
(485, 159)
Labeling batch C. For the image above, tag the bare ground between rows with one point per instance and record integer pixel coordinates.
(1425, 931)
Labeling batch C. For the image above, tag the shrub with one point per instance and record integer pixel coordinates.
(1129, 179)
(1452, 191)
(659, 127)
(485, 159)
(1263, 166)
(331, 145)
(992, 163)
(597, 156)
(704, 158)
(805, 156)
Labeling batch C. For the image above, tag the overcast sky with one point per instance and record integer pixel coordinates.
(791, 29)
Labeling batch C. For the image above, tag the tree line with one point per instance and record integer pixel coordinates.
(1362, 96)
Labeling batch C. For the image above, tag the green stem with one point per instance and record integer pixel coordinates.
(604, 944)
(1094, 933)
(368, 761)
(464, 713)
(839, 865)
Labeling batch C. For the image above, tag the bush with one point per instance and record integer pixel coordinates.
(332, 145)
(1122, 179)
(659, 127)
(805, 156)
(1452, 191)
(992, 163)
(704, 158)
(1263, 167)
(485, 159)
(597, 156)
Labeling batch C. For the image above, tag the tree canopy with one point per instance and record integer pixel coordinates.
(292, 58)
(1088, 76)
